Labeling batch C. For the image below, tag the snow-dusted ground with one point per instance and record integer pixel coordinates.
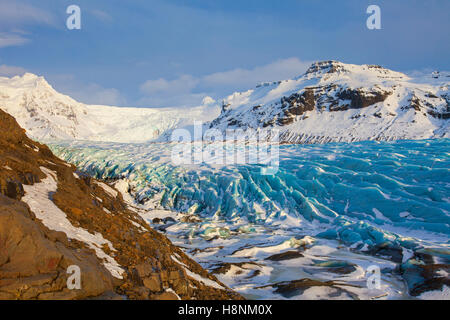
(254, 275)
(37, 197)
(331, 204)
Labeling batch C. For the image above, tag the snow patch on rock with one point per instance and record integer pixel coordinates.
(38, 198)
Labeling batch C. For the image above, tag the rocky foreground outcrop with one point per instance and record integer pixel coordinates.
(53, 217)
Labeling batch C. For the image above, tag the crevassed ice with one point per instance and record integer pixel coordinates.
(366, 192)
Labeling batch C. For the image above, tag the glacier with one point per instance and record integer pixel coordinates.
(331, 102)
(49, 115)
(308, 222)
(348, 206)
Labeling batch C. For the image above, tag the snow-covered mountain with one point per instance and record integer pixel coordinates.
(334, 101)
(49, 115)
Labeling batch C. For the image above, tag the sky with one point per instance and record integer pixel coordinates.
(153, 53)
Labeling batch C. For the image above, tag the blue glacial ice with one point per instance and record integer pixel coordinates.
(368, 191)
(364, 195)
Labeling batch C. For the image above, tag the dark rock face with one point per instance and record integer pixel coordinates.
(226, 266)
(289, 289)
(289, 108)
(11, 189)
(292, 106)
(339, 267)
(295, 105)
(415, 103)
(325, 67)
(361, 98)
(288, 255)
(387, 250)
(299, 103)
(444, 115)
(420, 105)
(34, 259)
(426, 271)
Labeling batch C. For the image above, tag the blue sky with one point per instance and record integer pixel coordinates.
(174, 53)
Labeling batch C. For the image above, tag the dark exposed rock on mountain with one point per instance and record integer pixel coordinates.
(360, 98)
(296, 105)
(334, 101)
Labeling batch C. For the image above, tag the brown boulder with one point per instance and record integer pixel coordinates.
(153, 283)
(32, 266)
(164, 296)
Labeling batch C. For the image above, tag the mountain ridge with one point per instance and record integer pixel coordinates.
(331, 102)
(48, 115)
(335, 102)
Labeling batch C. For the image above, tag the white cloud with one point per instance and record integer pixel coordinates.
(95, 94)
(10, 71)
(278, 70)
(11, 39)
(14, 16)
(15, 13)
(188, 90)
(90, 93)
(174, 100)
(102, 15)
(182, 84)
(176, 92)
(208, 100)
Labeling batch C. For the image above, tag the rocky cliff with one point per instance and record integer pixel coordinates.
(53, 217)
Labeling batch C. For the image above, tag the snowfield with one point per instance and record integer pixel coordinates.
(48, 115)
(331, 102)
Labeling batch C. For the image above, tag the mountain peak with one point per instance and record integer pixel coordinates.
(329, 66)
(333, 67)
(29, 76)
(37, 80)
(27, 80)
